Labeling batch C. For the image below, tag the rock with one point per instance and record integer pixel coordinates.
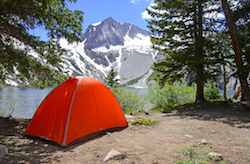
(215, 155)
(204, 141)
(129, 117)
(164, 115)
(246, 103)
(174, 111)
(205, 117)
(3, 151)
(114, 155)
(108, 133)
(132, 113)
(188, 136)
(163, 111)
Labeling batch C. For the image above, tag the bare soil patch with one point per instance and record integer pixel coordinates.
(226, 127)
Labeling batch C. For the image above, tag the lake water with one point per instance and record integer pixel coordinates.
(26, 100)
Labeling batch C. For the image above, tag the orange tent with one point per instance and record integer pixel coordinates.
(77, 110)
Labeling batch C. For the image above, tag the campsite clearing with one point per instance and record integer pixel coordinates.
(225, 128)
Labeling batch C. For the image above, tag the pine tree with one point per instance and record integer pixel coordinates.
(111, 80)
(17, 19)
(181, 31)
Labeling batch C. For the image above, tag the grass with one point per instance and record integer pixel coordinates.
(131, 111)
(133, 81)
(144, 122)
(194, 155)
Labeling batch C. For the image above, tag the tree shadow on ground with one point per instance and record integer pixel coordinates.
(23, 149)
(233, 114)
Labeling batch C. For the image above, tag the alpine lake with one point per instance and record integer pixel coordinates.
(24, 101)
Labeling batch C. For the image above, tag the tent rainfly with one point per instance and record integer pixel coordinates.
(79, 109)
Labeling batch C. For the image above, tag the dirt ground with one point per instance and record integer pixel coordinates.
(225, 127)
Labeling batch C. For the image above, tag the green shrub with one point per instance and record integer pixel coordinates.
(194, 155)
(174, 106)
(128, 100)
(212, 94)
(8, 108)
(171, 94)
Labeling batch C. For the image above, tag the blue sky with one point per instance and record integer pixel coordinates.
(131, 11)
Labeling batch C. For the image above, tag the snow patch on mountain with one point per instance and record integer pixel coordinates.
(77, 60)
(96, 24)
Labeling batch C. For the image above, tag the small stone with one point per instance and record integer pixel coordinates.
(229, 139)
(132, 113)
(214, 154)
(188, 136)
(204, 141)
(129, 117)
(46, 145)
(114, 155)
(163, 111)
(174, 111)
(3, 151)
(246, 103)
(108, 133)
(205, 117)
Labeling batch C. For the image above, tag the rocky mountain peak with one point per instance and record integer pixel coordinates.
(110, 33)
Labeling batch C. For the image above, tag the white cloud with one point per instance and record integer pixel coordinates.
(215, 15)
(134, 1)
(145, 15)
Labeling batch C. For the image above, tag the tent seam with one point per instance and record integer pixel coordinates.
(67, 123)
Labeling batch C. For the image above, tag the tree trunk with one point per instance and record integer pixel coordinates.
(199, 52)
(225, 83)
(238, 58)
(200, 92)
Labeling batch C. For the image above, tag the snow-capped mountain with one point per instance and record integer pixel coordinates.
(126, 47)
